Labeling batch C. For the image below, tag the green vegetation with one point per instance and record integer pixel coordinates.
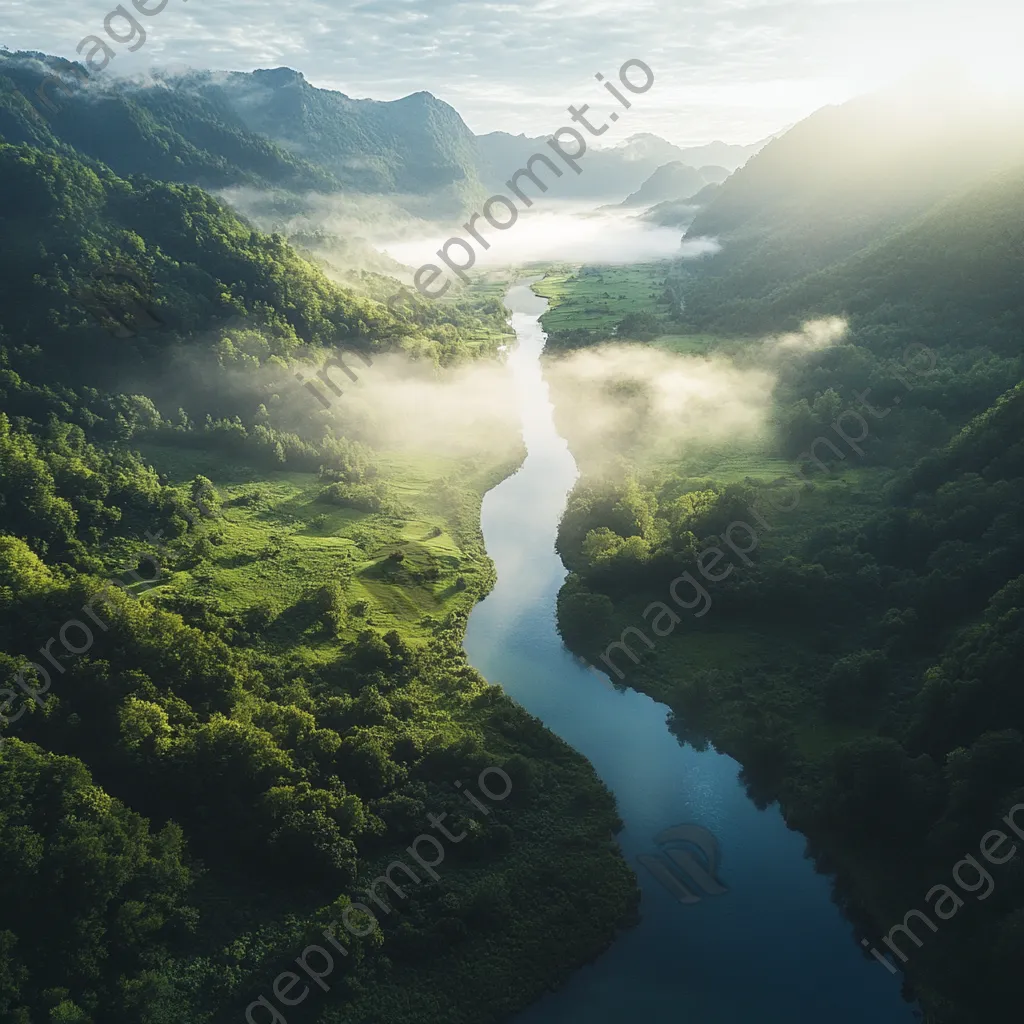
(162, 265)
(249, 690)
(282, 536)
(243, 130)
(416, 144)
(173, 135)
(857, 649)
(590, 305)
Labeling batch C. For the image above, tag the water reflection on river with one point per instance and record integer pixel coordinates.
(773, 947)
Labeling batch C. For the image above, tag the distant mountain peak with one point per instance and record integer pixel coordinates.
(672, 181)
(643, 137)
(648, 145)
(278, 77)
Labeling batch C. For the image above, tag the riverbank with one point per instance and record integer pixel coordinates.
(775, 923)
(265, 731)
(832, 655)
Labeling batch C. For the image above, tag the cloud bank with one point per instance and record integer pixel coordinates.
(732, 69)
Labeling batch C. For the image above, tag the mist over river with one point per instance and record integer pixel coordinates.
(772, 946)
(558, 231)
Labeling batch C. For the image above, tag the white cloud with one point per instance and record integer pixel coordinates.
(737, 69)
(559, 231)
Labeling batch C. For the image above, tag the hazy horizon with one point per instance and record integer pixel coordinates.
(730, 70)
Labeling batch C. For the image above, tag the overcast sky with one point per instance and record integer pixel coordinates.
(731, 69)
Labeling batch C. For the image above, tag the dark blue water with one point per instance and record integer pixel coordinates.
(773, 947)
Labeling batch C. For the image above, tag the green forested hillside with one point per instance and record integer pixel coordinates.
(83, 246)
(268, 129)
(417, 144)
(164, 133)
(232, 682)
(859, 657)
(955, 272)
(840, 181)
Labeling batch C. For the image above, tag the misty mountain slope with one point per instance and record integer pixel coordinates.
(680, 213)
(674, 214)
(268, 129)
(842, 180)
(86, 253)
(609, 174)
(673, 181)
(645, 145)
(417, 144)
(176, 136)
(955, 270)
(714, 175)
(271, 129)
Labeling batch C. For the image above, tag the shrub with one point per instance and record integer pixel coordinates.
(362, 497)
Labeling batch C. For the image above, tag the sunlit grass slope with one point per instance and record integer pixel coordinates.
(406, 568)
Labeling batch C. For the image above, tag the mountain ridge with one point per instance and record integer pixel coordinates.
(840, 181)
(674, 182)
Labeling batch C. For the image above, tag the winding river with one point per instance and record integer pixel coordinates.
(771, 948)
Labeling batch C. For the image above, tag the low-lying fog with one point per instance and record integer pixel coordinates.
(563, 232)
(378, 233)
(611, 398)
(647, 402)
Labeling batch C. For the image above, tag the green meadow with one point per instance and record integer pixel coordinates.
(407, 568)
(597, 298)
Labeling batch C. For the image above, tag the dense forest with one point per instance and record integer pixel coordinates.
(234, 695)
(240, 130)
(846, 613)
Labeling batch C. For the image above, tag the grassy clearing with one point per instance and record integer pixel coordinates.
(406, 568)
(730, 463)
(687, 344)
(597, 298)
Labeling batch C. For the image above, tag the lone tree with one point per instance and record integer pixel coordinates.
(642, 326)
